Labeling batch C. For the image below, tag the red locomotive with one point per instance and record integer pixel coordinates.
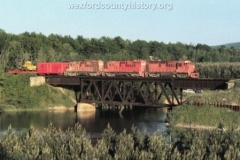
(181, 69)
(86, 68)
(135, 68)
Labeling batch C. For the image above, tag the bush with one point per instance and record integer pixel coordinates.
(74, 144)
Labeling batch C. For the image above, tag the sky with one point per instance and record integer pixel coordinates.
(186, 21)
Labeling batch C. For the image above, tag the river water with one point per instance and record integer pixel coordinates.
(147, 120)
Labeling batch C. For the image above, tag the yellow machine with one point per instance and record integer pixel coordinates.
(29, 66)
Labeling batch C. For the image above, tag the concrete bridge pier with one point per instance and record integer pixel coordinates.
(84, 107)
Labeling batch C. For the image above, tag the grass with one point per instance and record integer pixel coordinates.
(230, 96)
(205, 116)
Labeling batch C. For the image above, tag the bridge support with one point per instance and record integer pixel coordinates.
(37, 81)
(145, 92)
(85, 107)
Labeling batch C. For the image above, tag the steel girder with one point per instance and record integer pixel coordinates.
(133, 91)
(128, 92)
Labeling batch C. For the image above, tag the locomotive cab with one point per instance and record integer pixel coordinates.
(186, 69)
(181, 69)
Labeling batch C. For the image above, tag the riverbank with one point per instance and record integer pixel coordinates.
(205, 117)
(221, 97)
(55, 108)
(17, 94)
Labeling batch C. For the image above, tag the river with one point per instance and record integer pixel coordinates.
(147, 120)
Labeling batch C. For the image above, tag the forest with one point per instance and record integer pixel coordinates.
(37, 47)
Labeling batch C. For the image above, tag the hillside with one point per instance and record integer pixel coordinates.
(236, 45)
(16, 93)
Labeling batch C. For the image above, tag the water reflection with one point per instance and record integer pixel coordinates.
(147, 120)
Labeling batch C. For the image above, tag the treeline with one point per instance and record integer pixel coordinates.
(15, 49)
(53, 143)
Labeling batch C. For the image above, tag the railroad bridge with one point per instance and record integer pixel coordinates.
(133, 91)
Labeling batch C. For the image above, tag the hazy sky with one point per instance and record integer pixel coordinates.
(187, 21)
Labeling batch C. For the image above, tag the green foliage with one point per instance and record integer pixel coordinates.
(215, 97)
(15, 49)
(219, 70)
(230, 45)
(205, 116)
(15, 91)
(74, 144)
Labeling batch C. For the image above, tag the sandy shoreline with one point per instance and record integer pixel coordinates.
(195, 126)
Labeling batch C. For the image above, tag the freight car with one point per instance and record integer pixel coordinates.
(85, 68)
(52, 68)
(180, 69)
(135, 68)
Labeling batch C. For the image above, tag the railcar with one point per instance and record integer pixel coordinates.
(27, 68)
(85, 68)
(19, 71)
(51, 68)
(180, 69)
(135, 68)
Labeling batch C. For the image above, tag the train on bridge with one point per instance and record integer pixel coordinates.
(131, 68)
